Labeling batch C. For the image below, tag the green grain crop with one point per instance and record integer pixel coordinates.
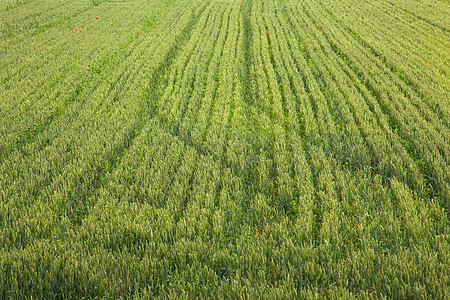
(257, 149)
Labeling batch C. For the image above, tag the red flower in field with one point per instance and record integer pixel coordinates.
(76, 29)
(267, 32)
(137, 32)
(96, 18)
(80, 30)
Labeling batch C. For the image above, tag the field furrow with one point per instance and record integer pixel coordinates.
(273, 149)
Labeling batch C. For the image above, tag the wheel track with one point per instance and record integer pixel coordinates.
(149, 106)
(79, 203)
(395, 70)
(393, 123)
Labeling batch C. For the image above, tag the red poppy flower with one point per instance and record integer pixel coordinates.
(96, 18)
(76, 29)
(137, 32)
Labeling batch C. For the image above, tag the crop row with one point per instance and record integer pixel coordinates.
(269, 148)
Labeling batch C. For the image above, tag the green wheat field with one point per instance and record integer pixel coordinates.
(233, 149)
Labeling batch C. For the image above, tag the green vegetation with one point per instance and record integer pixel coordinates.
(224, 149)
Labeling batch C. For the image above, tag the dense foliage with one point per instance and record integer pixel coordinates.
(224, 149)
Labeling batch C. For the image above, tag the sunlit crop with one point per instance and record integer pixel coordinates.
(273, 149)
